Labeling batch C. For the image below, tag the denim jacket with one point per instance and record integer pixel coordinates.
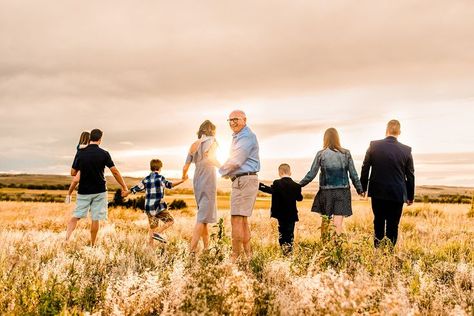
(334, 166)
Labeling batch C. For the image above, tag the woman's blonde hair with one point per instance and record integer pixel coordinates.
(85, 138)
(331, 140)
(206, 128)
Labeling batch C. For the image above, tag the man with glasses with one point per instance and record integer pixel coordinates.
(241, 167)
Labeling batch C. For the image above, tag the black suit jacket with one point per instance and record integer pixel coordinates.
(285, 192)
(392, 176)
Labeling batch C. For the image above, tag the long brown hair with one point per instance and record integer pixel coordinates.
(331, 140)
(85, 138)
(206, 128)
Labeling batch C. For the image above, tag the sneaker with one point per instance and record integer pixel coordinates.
(159, 238)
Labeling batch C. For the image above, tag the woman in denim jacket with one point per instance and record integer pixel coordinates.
(333, 199)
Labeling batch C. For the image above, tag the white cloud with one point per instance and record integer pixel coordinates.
(148, 74)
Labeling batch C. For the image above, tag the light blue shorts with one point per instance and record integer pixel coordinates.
(96, 203)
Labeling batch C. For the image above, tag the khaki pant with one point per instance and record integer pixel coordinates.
(243, 196)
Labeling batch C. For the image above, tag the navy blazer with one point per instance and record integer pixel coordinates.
(393, 175)
(285, 192)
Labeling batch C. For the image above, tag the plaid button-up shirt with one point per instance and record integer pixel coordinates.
(154, 185)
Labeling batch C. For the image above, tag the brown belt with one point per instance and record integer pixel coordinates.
(241, 175)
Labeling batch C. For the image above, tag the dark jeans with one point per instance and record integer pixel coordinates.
(286, 230)
(386, 219)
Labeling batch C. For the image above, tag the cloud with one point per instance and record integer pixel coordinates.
(462, 158)
(160, 48)
(149, 73)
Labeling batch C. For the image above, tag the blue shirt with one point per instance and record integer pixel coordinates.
(243, 154)
(154, 185)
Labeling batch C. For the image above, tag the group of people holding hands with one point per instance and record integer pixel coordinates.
(387, 176)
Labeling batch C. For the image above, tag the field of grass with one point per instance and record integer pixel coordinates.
(431, 271)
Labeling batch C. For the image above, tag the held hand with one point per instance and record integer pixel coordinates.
(125, 193)
(185, 177)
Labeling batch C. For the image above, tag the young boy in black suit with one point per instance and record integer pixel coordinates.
(285, 192)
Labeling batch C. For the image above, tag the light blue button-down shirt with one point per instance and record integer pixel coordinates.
(243, 154)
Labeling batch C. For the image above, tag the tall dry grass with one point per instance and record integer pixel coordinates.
(431, 271)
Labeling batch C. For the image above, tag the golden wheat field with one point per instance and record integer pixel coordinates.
(431, 271)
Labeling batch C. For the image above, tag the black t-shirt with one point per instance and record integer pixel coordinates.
(91, 161)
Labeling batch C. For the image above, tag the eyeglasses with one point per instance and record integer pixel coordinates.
(233, 120)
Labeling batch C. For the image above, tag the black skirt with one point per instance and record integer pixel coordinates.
(330, 202)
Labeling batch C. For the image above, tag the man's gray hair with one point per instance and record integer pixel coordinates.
(240, 112)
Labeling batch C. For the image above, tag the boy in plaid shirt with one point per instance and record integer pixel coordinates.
(155, 208)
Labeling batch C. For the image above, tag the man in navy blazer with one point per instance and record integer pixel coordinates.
(391, 182)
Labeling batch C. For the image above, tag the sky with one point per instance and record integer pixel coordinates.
(148, 73)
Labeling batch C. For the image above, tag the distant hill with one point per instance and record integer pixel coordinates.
(223, 184)
(443, 189)
(39, 179)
